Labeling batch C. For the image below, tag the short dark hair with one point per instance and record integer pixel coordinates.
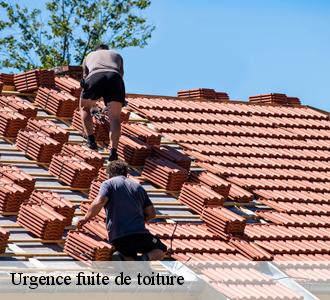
(102, 47)
(117, 168)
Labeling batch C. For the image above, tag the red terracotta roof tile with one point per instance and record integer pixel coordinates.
(32, 80)
(141, 132)
(251, 250)
(11, 195)
(11, 122)
(173, 155)
(7, 79)
(68, 84)
(4, 236)
(18, 104)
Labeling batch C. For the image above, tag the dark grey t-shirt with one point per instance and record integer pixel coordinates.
(124, 209)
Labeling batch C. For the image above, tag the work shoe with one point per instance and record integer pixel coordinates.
(92, 145)
(113, 155)
(117, 256)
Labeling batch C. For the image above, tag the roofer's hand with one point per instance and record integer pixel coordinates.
(81, 222)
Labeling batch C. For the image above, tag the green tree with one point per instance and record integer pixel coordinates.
(66, 30)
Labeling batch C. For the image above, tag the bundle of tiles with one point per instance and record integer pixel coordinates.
(7, 79)
(84, 207)
(203, 93)
(101, 127)
(173, 155)
(133, 150)
(85, 154)
(75, 72)
(141, 132)
(98, 228)
(61, 104)
(273, 98)
(37, 145)
(216, 183)
(19, 177)
(1, 86)
(56, 202)
(11, 122)
(18, 104)
(11, 196)
(72, 171)
(31, 80)
(41, 220)
(68, 84)
(85, 246)
(48, 127)
(197, 197)
(102, 174)
(293, 101)
(222, 221)
(94, 190)
(165, 173)
(4, 237)
(251, 250)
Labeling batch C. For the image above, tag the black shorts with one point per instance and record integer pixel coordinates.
(133, 244)
(108, 85)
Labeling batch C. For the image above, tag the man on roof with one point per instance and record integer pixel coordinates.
(127, 208)
(103, 72)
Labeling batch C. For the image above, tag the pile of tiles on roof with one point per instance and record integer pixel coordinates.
(165, 173)
(142, 132)
(171, 154)
(37, 145)
(84, 245)
(7, 79)
(61, 104)
(94, 190)
(31, 80)
(102, 174)
(4, 237)
(203, 93)
(100, 121)
(11, 122)
(56, 202)
(197, 197)
(72, 171)
(274, 98)
(41, 220)
(97, 228)
(11, 196)
(84, 206)
(49, 128)
(18, 177)
(133, 150)
(18, 104)
(85, 154)
(75, 72)
(1, 86)
(69, 85)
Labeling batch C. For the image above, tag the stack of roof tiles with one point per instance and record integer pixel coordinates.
(72, 171)
(133, 150)
(1, 86)
(94, 190)
(75, 72)
(68, 84)
(216, 183)
(165, 173)
(102, 174)
(7, 79)
(61, 104)
(56, 202)
(11, 195)
(86, 246)
(41, 220)
(4, 236)
(11, 122)
(274, 98)
(85, 154)
(203, 94)
(98, 228)
(31, 80)
(37, 145)
(48, 127)
(84, 206)
(198, 197)
(19, 177)
(222, 221)
(173, 155)
(16, 103)
(141, 132)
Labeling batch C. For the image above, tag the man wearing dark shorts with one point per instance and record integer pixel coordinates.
(103, 72)
(127, 207)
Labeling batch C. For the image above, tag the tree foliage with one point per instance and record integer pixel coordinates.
(66, 30)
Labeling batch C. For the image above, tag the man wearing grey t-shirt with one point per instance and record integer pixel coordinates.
(103, 72)
(127, 208)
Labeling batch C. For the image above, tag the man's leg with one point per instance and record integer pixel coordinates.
(114, 112)
(87, 121)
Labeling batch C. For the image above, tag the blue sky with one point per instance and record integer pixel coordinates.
(239, 47)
